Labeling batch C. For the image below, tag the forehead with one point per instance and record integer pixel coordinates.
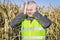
(31, 6)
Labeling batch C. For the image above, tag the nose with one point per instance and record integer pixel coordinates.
(29, 9)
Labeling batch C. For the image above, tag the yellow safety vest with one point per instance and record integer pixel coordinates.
(32, 30)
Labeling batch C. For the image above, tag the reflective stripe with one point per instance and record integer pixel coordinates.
(35, 28)
(34, 37)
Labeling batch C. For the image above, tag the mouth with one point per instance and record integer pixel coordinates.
(29, 13)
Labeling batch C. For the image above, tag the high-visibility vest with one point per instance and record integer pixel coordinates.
(32, 30)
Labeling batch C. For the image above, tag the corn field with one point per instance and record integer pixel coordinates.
(8, 12)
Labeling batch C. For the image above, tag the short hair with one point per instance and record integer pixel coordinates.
(31, 2)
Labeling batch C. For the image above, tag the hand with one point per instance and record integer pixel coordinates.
(25, 8)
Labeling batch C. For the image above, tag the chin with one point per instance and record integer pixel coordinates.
(30, 16)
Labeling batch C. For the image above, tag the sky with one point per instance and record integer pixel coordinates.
(40, 3)
(47, 2)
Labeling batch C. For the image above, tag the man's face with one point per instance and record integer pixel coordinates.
(31, 9)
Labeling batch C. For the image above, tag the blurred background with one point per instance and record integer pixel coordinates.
(10, 8)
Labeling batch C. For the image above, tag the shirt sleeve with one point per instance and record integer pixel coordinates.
(46, 22)
(14, 22)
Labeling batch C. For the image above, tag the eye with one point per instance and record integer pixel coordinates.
(29, 9)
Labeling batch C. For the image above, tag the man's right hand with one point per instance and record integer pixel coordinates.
(25, 8)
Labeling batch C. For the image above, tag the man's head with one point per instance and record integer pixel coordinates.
(31, 8)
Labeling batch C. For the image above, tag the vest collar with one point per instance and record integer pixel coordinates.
(30, 18)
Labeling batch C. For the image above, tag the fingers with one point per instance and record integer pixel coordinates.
(25, 8)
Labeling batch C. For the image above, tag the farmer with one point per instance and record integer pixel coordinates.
(33, 23)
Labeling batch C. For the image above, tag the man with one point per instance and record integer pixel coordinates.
(33, 24)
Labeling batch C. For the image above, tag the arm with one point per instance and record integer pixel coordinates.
(42, 19)
(14, 22)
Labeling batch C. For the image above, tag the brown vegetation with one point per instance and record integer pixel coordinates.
(8, 12)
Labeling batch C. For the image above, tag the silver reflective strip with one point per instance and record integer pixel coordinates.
(35, 28)
(34, 37)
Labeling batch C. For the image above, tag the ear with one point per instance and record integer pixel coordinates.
(37, 8)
